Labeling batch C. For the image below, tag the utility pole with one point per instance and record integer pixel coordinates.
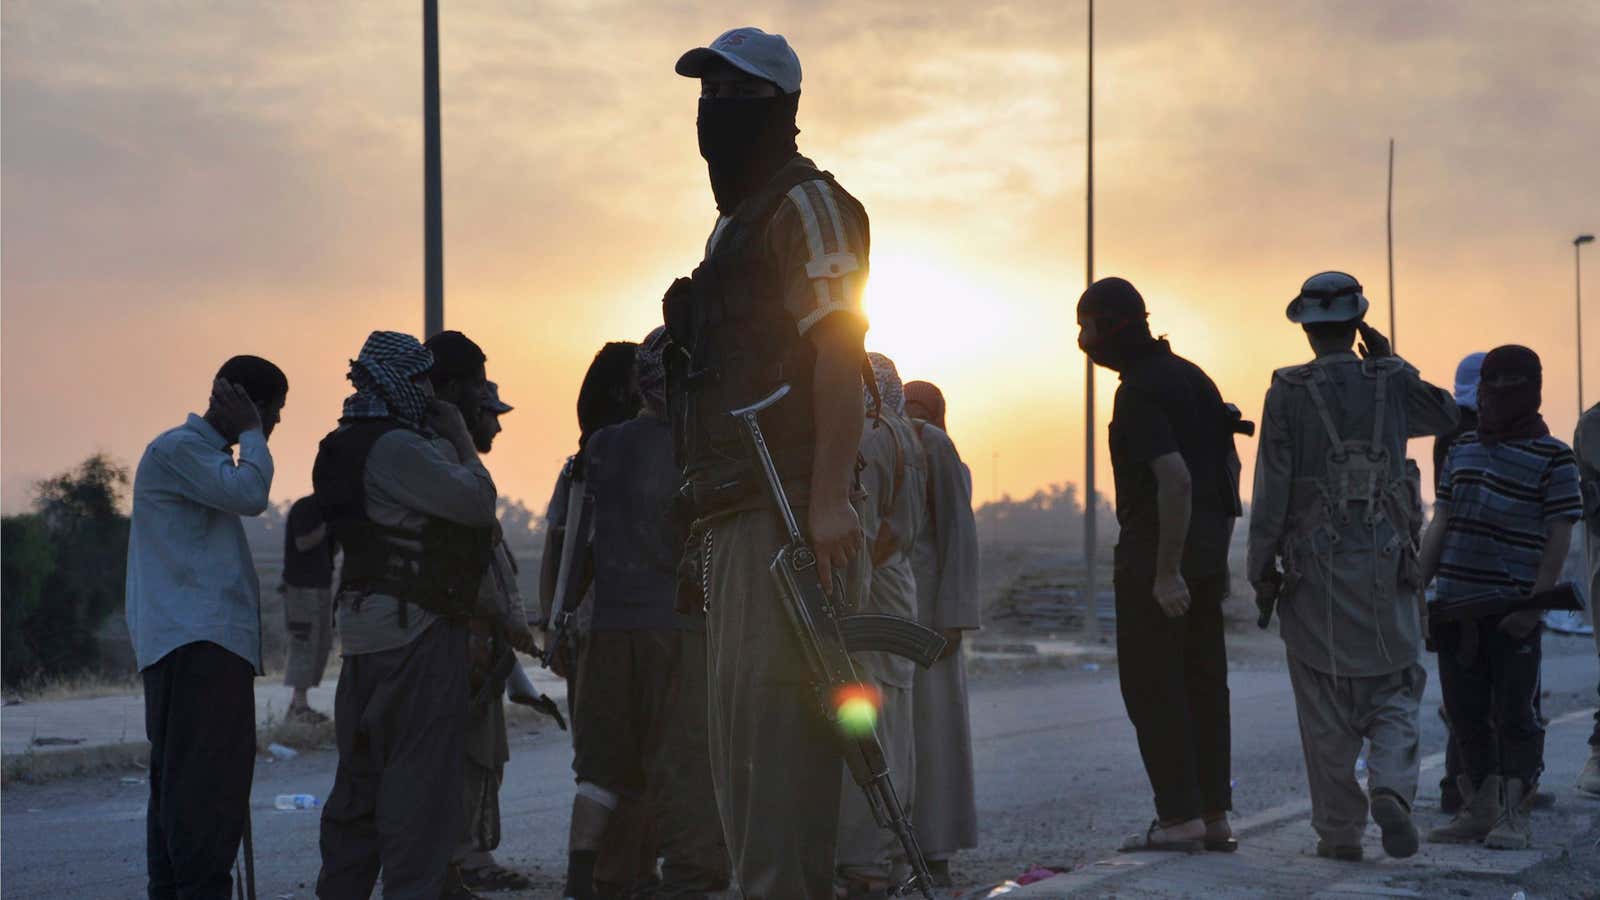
(1577, 274)
(1389, 229)
(433, 189)
(1091, 619)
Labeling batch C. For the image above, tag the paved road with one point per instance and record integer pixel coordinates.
(1059, 784)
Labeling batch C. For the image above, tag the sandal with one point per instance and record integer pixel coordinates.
(1147, 843)
(495, 878)
(1226, 844)
(306, 715)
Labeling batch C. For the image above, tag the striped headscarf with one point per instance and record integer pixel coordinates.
(382, 375)
(889, 389)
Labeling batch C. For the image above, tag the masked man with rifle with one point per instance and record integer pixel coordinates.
(775, 303)
(1336, 504)
(1507, 500)
(401, 486)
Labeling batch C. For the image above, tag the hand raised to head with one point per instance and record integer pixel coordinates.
(236, 413)
(1373, 344)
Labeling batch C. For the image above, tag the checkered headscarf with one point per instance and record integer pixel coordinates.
(650, 371)
(889, 388)
(382, 375)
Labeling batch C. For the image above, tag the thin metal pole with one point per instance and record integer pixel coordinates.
(1577, 272)
(994, 490)
(1091, 620)
(1389, 228)
(433, 189)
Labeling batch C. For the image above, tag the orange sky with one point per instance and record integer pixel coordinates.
(185, 181)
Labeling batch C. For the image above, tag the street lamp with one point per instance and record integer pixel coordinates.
(1577, 273)
(433, 190)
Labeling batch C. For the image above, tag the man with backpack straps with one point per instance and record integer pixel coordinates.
(404, 492)
(1337, 506)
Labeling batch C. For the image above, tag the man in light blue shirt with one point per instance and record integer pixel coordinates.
(194, 613)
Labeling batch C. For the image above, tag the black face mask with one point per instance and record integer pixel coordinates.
(1120, 342)
(744, 141)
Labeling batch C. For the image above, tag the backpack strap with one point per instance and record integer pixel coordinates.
(887, 543)
(1380, 405)
(1321, 403)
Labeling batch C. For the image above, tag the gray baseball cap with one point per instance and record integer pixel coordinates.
(1328, 297)
(493, 403)
(750, 50)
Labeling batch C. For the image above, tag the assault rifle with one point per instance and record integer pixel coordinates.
(1494, 603)
(826, 639)
(580, 512)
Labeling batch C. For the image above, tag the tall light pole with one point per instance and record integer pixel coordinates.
(1577, 274)
(433, 189)
(1388, 220)
(1091, 589)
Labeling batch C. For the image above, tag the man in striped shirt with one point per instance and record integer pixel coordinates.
(1503, 521)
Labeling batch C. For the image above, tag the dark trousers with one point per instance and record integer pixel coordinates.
(1174, 674)
(1491, 693)
(694, 856)
(200, 717)
(1594, 738)
(401, 718)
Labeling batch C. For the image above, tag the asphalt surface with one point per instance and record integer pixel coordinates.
(1059, 784)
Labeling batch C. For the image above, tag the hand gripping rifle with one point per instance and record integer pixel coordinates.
(826, 640)
(1496, 603)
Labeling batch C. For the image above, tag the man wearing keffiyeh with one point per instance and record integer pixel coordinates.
(388, 376)
(402, 487)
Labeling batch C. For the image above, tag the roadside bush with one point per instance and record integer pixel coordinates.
(63, 570)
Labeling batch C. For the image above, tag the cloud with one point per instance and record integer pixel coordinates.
(185, 180)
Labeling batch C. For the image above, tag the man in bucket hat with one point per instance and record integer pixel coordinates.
(1333, 542)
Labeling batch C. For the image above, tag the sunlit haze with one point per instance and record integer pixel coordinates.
(186, 181)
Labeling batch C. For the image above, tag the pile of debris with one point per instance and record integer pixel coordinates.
(1046, 601)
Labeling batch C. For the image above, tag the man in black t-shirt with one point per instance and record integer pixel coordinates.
(307, 604)
(1177, 480)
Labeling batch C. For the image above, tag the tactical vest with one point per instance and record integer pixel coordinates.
(443, 576)
(733, 344)
(1366, 500)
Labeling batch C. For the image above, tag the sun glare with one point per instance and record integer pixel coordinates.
(928, 315)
